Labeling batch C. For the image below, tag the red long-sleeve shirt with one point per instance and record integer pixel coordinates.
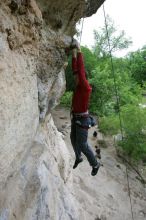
(80, 100)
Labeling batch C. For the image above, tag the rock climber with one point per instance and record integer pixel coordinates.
(81, 121)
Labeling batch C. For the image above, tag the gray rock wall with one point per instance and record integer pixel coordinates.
(35, 173)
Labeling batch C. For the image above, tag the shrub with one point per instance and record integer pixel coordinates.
(109, 125)
(66, 99)
(134, 127)
(133, 119)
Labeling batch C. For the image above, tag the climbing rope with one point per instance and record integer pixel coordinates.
(118, 104)
(117, 97)
(113, 72)
(129, 193)
(81, 32)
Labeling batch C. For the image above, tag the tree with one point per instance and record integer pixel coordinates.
(102, 83)
(133, 120)
(137, 61)
(90, 60)
(117, 40)
(134, 125)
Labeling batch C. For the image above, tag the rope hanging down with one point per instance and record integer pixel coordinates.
(118, 104)
(81, 31)
(116, 94)
(113, 72)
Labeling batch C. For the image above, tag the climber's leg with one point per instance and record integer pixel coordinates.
(77, 150)
(81, 142)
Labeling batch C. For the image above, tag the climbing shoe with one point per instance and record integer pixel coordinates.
(95, 169)
(77, 162)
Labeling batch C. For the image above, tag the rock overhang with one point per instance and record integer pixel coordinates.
(63, 15)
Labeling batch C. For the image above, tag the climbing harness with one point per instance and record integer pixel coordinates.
(118, 104)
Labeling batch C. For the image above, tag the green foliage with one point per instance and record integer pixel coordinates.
(137, 64)
(104, 96)
(134, 118)
(117, 40)
(134, 127)
(90, 60)
(66, 99)
(109, 125)
(102, 91)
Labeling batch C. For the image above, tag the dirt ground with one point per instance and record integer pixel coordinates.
(106, 195)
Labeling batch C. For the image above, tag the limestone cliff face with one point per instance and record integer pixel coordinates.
(35, 174)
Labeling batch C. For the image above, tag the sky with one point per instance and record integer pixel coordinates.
(128, 15)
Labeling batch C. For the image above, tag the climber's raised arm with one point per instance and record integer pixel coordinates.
(78, 65)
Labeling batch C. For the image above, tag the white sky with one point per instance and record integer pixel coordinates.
(128, 15)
